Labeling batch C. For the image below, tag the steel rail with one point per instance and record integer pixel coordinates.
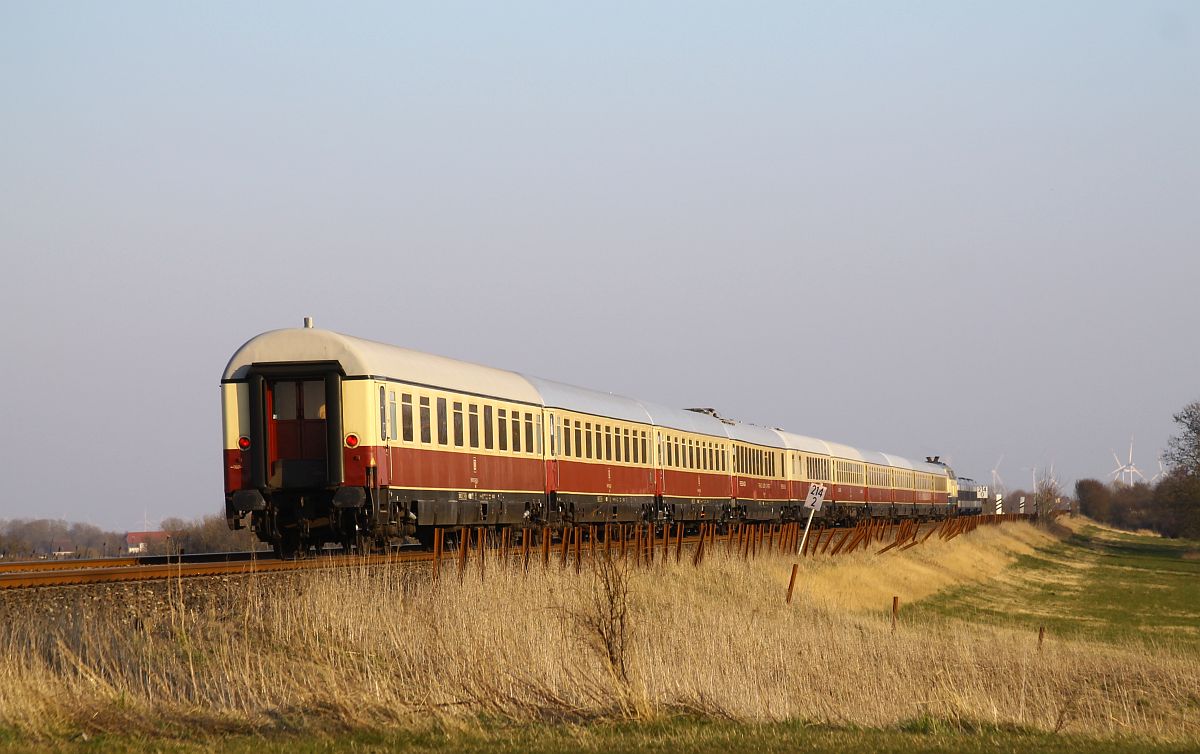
(36, 578)
(122, 561)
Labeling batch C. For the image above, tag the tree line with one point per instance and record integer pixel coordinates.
(43, 537)
(1172, 506)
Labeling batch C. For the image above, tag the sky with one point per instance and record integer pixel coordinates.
(958, 228)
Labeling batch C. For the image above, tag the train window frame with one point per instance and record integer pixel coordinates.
(426, 417)
(473, 424)
(502, 429)
(565, 430)
(578, 439)
(645, 449)
(587, 440)
(289, 402)
(406, 417)
(515, 430)
(393, 432)
(608, 453)
(617, 457)
(443, 422)
(383, 428)
(636, 456)
(489, 427)
(533, 444)
(456, 432)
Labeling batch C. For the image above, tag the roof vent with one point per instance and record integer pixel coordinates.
(308, 323)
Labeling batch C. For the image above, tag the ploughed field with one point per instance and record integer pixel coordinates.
(631, 657)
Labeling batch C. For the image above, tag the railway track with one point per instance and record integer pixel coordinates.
(575, 545)
(109, 570)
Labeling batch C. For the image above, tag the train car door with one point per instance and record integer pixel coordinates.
(296, 433)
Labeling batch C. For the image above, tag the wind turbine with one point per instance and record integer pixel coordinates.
(997, 482)
(1126, 470)
(1162, 472)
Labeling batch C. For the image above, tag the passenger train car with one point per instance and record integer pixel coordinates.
(332, 438)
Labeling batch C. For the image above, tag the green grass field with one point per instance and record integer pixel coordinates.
(678, 735)
(1097, 584)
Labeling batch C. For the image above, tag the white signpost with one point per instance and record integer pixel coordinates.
(816, 496)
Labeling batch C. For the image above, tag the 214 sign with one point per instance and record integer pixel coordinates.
(816, 496)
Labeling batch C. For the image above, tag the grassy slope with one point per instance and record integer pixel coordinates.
(1097, 584)
(1101, 585)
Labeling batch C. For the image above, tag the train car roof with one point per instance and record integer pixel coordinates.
(898, 462)
(838, 450)
(367, 358)
(684, 420)
(931, 468)
(572, 398)
(752, 433)
(804, 443)
(875, 457)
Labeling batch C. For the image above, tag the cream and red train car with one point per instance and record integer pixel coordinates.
(334, 438)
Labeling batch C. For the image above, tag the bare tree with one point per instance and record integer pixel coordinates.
(1046, 496)
(1183, 449)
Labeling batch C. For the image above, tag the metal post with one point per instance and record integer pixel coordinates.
(800, 548)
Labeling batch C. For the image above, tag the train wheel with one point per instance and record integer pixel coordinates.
(290, 546)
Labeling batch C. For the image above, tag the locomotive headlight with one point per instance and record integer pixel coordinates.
(244, 442)
(351, 440)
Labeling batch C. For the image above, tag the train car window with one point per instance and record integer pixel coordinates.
(443, 422)
(566, 438)
(608, 456)
(516, 431)
(645, 455)
(636, 455)
(668, 459)
(587, 439)
(283, 401)
(426, 422)
(530, 445)
(458, 424)
(502, 429)
(473, 425)
(489, 428)
(691, 456)
(314, 399)
(617, 443)
(392, 432)
(406, 417)
(383, 433)
(578, 440)
(625, 444)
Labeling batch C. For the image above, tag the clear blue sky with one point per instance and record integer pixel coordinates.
(958, 228)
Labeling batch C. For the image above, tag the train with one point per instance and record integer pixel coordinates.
(332, 439)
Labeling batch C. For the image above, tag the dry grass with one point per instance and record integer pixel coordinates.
(384, 647)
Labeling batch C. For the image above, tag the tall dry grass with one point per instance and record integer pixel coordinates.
(384, 647)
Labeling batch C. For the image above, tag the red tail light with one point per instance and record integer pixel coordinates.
(244, 443)
(351, 441)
